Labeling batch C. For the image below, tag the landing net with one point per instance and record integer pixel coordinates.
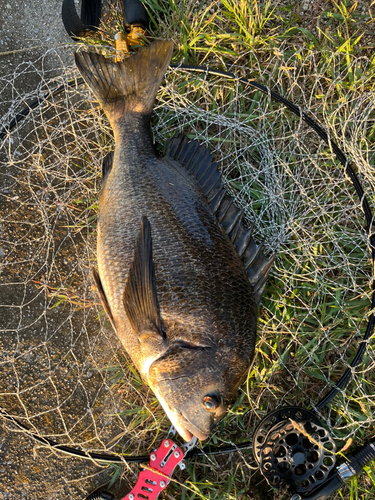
(64, 374)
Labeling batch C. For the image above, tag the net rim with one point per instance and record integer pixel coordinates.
(5, 134)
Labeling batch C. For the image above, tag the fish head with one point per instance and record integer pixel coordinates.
(194, 387)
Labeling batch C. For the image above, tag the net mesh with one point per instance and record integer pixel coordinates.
(64, 374)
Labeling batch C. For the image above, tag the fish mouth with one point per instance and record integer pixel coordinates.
(184, 427)
(183, 431)
(192, 429)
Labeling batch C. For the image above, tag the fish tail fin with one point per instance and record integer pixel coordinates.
(127, 86)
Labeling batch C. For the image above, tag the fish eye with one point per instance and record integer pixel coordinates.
(211, 402)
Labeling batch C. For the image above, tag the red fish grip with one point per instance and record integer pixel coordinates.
(152, 481)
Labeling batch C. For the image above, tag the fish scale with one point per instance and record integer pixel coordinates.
(172, 252)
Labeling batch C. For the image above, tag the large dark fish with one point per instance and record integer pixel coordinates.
(179, 276)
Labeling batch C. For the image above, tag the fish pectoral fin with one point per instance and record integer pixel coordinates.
(103, 297)
(140, 296)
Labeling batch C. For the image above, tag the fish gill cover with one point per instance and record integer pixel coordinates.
(64, 373)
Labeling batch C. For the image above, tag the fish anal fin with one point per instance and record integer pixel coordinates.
(103, 297)
(140, 295)
(198, 161)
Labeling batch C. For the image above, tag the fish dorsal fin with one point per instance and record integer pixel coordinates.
(140, 297)
(103, 297)
(198, 161)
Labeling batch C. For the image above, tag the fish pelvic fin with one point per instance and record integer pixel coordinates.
(198, 161)
(140, 296)
(127, 86)
(107, 165)
(103, 297)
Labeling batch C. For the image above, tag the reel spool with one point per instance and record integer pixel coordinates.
(293, 449)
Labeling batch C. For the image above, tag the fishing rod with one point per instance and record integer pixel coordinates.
(295, 453)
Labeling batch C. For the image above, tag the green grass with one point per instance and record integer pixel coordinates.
(311, 308)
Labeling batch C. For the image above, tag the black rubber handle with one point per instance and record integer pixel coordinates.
(76, 26)
(135, 14)
(90, 12)
(363, 456)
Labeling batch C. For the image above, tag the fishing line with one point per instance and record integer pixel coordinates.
(5, 134)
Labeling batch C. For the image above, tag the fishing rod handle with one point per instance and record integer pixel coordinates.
(135, 14)
(358, 459)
